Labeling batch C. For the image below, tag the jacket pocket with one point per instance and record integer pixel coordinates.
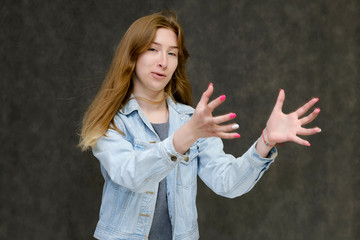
(187, 169)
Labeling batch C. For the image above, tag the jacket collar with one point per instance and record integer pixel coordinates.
(133, 105)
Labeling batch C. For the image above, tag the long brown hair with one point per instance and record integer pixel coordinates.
(117, 87)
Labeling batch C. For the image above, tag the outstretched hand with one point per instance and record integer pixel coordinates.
(204, 124)
(282, 127)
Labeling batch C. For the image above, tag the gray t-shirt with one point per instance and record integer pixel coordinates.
(161, 226)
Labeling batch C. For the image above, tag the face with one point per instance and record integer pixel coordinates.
(155, 67)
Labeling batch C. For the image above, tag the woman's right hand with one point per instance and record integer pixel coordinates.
(203, 124)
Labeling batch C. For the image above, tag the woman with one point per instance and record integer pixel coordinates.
(152, 145)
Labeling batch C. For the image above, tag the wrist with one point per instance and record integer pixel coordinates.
(184, 137)
(266, 140)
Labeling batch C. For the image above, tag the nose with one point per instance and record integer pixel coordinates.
(163, 61)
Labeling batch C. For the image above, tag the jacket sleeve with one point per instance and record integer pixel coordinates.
(138, 166)
(229, 176)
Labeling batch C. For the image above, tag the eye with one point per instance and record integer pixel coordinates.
(152, 49)
(172, 54)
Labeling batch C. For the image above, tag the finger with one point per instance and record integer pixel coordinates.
(310, 117)
(301, 141)
(226, 128)
(280, 100)
(309, 131)
(206, 95)
(303, 109)
(223, 118)
(228, 135)
(216, 102)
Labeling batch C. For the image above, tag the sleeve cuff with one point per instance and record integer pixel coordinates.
(170, 153)
(258, 161)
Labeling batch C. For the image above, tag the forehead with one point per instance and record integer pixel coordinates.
(166, 37)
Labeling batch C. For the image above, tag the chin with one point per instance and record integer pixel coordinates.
(158, 87)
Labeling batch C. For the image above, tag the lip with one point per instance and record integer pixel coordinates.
(158, 74)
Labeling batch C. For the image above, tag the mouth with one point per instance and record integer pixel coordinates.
(158, 74)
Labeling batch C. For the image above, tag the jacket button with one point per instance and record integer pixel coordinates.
(186, 159)
(172, 157)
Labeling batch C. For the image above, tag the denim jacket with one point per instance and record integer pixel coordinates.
(133, 164)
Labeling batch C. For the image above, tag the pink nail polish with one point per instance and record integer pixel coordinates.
(210, 85)
(317, 110)
(237, 135)
(317, 99)
(222, 97)
(232, 115)
(308, 144)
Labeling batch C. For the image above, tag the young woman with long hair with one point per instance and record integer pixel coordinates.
(152, 145)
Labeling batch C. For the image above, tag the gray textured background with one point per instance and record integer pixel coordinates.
(54, 55)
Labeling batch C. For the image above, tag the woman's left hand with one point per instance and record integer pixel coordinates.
(282, 127)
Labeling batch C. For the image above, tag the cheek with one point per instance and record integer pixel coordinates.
(174, 66)
(140, 65)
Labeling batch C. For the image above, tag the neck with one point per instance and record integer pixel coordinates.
(153, 103)
(150, 101)
(155, 109)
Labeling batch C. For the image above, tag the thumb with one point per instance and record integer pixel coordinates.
(280, 101)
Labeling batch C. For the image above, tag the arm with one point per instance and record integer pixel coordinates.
(229, 176)
(223, 173)
(138, 166)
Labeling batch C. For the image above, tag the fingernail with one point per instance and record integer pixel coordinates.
(210, 85)
(319, 130)
(237, 135)
(317, 110)
(308, 144)
(317, 99)
(235, 126)
(232, 115)
(222, 97)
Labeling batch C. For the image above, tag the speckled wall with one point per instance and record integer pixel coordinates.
(54, 55)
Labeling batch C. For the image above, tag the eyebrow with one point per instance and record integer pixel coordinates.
(161, 44)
